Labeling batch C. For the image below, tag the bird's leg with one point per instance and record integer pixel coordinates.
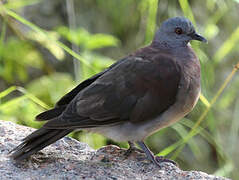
(155, 159)
(132, 148)
(162, 159)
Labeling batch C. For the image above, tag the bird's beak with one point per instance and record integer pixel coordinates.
(198, 37)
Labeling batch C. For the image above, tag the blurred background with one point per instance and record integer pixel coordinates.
(48, 47)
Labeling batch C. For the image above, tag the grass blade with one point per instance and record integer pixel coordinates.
(187, 11)
(151, 20)
(44, 33)
(7, 91)
(26, 95)
(227, 46)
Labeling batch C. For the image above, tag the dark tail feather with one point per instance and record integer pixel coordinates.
(37, 141)
(50, 114)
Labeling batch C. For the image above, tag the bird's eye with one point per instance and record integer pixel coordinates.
(178, 31)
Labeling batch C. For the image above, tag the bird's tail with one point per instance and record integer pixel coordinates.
(37, 141)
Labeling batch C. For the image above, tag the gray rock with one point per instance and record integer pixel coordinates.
(70, 159)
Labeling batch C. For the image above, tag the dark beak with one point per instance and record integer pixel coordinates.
(197, 37)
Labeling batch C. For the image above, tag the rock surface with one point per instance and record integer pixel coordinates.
(70, 159)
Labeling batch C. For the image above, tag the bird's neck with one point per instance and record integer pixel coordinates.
(184, 52)
(168, 45)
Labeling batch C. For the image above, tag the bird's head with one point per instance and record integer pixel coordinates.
(177, 31)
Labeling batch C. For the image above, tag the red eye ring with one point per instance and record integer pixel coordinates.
(178, 31)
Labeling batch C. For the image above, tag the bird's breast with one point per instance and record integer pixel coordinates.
(188, 93)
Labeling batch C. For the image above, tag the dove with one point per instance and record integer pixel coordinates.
(147, 90)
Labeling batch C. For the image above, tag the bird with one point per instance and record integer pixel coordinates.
(147, 90)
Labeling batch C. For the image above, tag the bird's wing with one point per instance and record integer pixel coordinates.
(137, 89)
(66, 99)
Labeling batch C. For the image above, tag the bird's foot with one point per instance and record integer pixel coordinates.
(132, 149)
(160, 159)
(155, 159)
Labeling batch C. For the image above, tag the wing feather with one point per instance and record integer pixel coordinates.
(135, 90)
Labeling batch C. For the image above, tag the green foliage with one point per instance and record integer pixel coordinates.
(85, 40)
(227, 46)
(149, 7)
(51, 87)
(15, 4)
(51, 45)
(89, 42)
(15, 57)
(43, 33)
(23, 107)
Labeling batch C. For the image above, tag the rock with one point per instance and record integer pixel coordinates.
(70, 159)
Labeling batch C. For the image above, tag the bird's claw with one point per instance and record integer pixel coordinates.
(160, 159)
(132, 150)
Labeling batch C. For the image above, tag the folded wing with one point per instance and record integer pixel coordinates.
(134, 90)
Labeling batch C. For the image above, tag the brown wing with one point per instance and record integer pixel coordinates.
(134, 90)
(66, 99)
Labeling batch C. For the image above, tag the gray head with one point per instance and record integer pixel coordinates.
(176, 32)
